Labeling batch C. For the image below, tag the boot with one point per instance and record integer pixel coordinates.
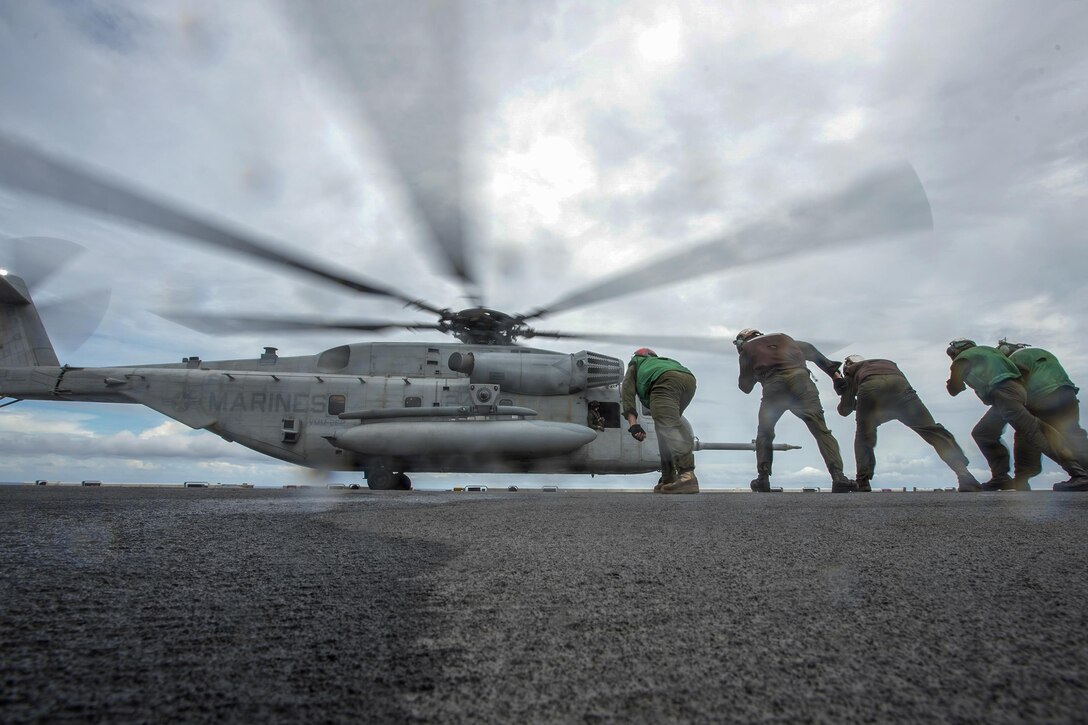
(686, 482)
(968, 483)
(661, 482)
(1017, 483)
(761, 483)
(997, 482)
(1077, 483)
(863, 484)
(841, 484)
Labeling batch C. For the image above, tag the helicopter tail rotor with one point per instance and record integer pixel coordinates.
(30, 262)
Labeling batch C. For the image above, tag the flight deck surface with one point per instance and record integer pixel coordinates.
(152, 604)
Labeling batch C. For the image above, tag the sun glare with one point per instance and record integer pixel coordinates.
(660, 44)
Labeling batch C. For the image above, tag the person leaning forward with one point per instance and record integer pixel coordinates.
(778, 362)
(665, 388)
(1052, 398)
(880, 392)
(999, 383)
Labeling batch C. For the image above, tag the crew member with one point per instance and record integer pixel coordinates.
(778, 362)
(880, 392)
(665, 388)
(1052, 398)
(1000, 384)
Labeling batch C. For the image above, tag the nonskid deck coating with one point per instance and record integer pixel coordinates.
(230, 604)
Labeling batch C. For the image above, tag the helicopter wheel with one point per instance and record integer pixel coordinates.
(380, 478)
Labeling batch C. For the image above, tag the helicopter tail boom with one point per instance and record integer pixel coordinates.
(23, 339)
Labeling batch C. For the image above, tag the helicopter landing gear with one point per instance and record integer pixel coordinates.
(381, 478)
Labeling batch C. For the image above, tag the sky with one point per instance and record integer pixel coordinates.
(584, 138)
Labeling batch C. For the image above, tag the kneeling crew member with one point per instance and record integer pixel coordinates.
(880, 392)
(999, 383)
(777, 361)
(665, 388)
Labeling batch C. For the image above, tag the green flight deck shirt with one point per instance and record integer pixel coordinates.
(981, 368)
(1043, 374)
(642, 372)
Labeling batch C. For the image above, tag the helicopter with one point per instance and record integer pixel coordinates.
(481, 402)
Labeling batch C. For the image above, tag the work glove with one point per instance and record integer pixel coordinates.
(636, 430)
(841, 385)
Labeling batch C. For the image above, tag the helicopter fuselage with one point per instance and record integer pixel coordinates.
(384, 407)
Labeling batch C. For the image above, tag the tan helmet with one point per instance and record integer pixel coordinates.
(745, 335)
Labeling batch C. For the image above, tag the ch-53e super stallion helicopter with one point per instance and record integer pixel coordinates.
(483, 404)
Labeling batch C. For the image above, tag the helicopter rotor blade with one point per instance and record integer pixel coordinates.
(679, 342)
(694, 343)
(32, 171)
(414, 98)
(890, 200)
(224, 325)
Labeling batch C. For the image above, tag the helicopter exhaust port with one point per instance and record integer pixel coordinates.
(538, 373)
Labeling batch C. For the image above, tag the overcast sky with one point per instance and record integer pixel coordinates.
(591, 136)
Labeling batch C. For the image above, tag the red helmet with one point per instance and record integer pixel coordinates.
(645, 352)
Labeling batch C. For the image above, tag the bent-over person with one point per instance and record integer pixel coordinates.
(880, 392)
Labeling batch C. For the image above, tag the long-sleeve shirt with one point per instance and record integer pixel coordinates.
(765, 355)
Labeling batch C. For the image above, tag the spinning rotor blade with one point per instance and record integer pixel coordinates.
(35, 259)
(216, 325)
(695, 343)
(72, 320)
(403, 62)
(888, 201)
(32, 171)
(679, 342)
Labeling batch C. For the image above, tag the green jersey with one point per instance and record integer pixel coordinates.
(982, 368)
(642, 372)
(1042, 372)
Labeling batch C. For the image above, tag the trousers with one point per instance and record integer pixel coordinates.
(1055, 436)
(670, 396)
(793, 390)
(883, 398)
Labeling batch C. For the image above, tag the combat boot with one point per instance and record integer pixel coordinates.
(761, 483)
(841, 484)
(997, 482)
(1017, 483)
(1076, 483)
(863, 484)
(968, 483)
(661, 482)
(686, 482)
